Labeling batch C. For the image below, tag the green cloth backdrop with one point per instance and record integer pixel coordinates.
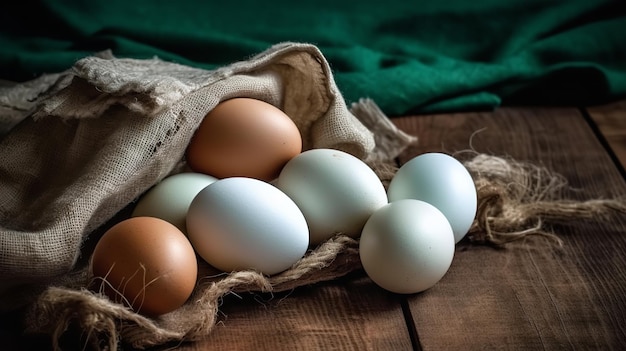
(409, 56)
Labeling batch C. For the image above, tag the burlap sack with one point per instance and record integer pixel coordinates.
(80, 146)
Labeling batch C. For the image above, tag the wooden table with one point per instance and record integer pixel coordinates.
(529, 295)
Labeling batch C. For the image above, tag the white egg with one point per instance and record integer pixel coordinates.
(336, 191)
(407, 246)
(170, 198)
(440, 180)
(243, 223)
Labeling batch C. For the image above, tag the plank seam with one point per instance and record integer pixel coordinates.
(410, 325)
(603, 141)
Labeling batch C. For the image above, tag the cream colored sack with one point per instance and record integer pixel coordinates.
(80, 146)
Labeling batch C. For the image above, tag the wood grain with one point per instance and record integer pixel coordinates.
(530, 295)
(611, 122)
(347, 314)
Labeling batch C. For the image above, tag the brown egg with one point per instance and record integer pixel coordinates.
(145, 263)
(244, 137)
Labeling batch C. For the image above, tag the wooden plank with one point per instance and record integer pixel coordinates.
(532, 294)
(610, 120)
(347, 314)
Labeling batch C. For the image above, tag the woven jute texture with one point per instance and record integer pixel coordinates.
(96, 137)
(78, 147)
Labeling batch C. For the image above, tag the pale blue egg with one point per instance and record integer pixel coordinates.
(442, 181)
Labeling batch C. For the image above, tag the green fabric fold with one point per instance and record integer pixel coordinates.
(408, 56)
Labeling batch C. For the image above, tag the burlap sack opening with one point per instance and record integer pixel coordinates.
(121, 125)
(82, 145)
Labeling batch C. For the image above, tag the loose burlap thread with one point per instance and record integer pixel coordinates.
(518, 199)
(161, 102)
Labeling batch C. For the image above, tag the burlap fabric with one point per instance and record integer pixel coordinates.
(79, 146)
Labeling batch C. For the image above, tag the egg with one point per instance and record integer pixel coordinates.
(407, 246)
(442, 181)
(241, 223)
(244, 137)
(170, 198)
(145, 263)
(336, 191)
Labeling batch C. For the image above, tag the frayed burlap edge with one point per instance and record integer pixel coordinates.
(518, 199)
(107, 324)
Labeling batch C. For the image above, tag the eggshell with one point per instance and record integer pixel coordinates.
(244, 137)
(407, 246)
(145, 263)
(336, 191)
(442, 181)
(170, 198)
(241, 223)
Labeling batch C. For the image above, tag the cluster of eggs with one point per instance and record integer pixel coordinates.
(253, 200)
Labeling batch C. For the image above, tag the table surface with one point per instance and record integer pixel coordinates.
(528, 295)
